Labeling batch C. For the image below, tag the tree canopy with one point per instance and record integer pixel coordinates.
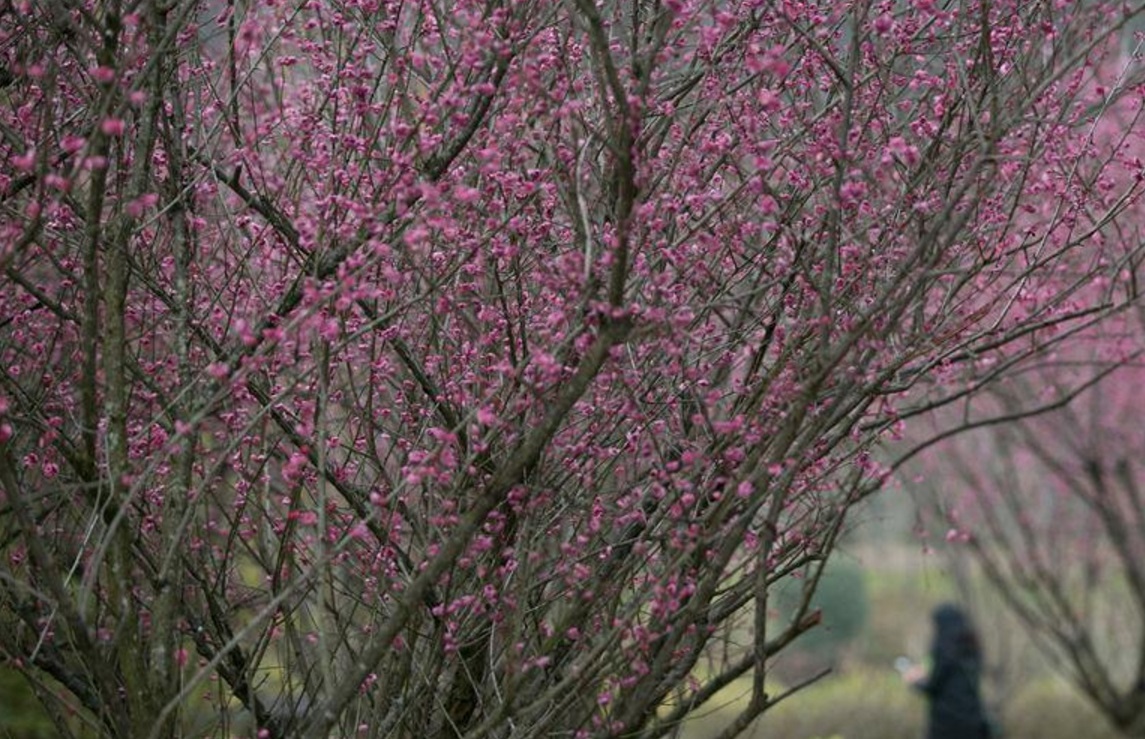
(477, 368)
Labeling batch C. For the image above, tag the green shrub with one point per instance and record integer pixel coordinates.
(841, 597)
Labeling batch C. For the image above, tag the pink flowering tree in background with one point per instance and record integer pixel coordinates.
(1036, 483)
(1050, 507)
(478, 368)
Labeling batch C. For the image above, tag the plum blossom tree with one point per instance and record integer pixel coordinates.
(477, 368)
(1036, 486)
(1049, 505)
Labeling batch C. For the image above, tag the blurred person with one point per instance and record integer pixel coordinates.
(956, 710)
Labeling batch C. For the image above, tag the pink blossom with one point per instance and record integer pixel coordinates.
(113, 126)
(72, 144)
(103, 75)
(25, 162)
(956, 536)
(57, 182)
(769, 100)
(141, 204)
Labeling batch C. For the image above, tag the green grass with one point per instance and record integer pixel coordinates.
(1050, 708)
(860, 704)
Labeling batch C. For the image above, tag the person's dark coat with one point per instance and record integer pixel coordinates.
(956, 710)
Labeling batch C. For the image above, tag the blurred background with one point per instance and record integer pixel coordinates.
(876, 598)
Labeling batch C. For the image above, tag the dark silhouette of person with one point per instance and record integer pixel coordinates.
(956, 709)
